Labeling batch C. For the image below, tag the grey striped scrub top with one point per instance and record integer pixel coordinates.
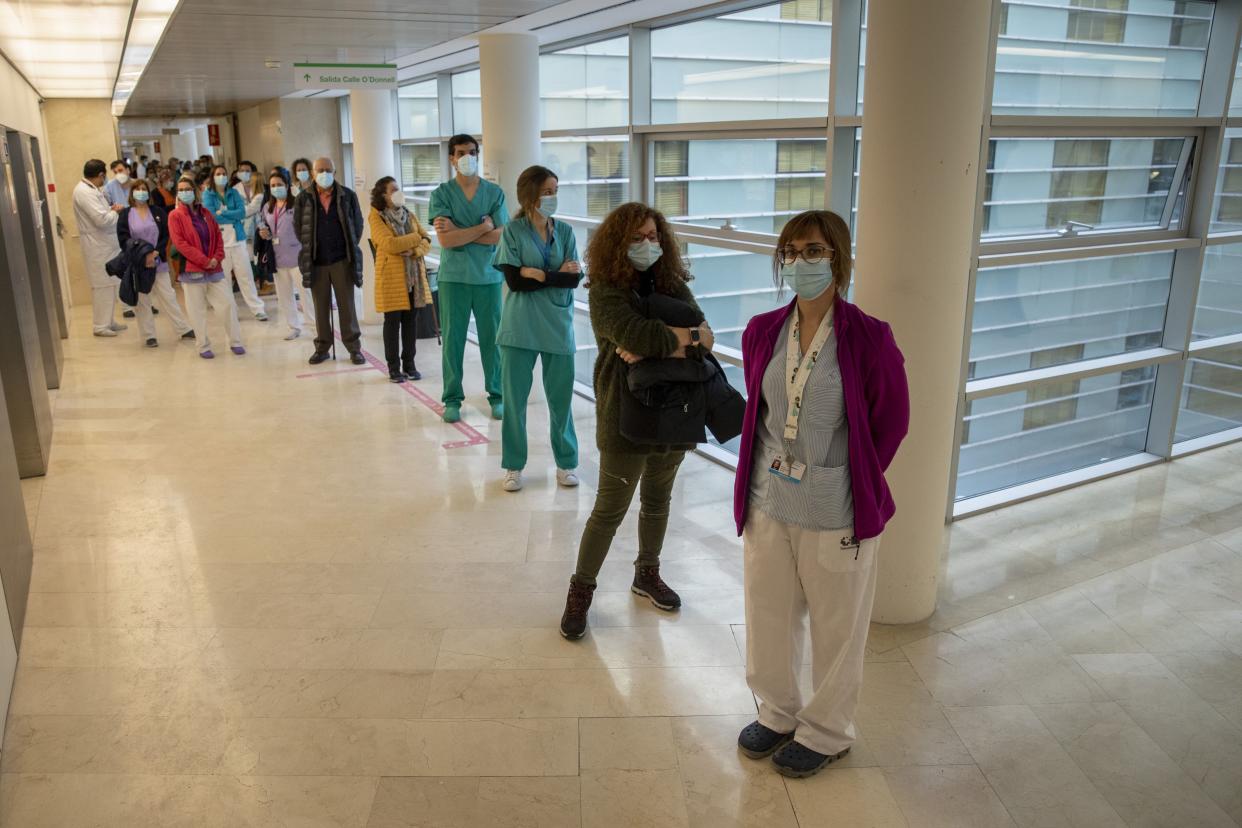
(824, 499)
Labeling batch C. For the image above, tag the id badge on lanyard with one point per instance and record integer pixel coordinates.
(277, 212)
(798, 370)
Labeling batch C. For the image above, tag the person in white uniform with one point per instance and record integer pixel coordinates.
(97, 219)
(827, 408)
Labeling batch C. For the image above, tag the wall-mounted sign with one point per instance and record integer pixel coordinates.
(213, 134)
(345, 75)
(157, 147)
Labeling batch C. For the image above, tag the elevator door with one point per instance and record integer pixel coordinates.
(21, 363)
(30, 213)
(49, 237)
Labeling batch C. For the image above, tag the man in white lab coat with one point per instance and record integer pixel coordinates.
(97, 220)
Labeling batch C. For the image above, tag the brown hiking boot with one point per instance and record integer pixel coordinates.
(649, 584)
(577, 603)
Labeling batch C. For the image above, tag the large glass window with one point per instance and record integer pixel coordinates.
(1211, 394)
(586, 86)
(467, 103)
(1227, 211)
(767, 62)
(752, 184)
(420, 174)
(1101, 57)
(1052, 428)
(1219, 311)
(1066, 186)
(418, 110)
(1039, 315)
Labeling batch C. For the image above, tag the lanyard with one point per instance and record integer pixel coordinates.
(545, 247)
(277, 212)
(798, 371)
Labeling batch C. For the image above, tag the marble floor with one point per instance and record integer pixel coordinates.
(266, 594)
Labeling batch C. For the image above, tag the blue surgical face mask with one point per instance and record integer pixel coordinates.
(547, 206)
(243, 176)
(141, 195)
(324, 180)
(221, 181)
(280, 193)
(185, 196)
(468, 165)
(644, 254)
(809, 281)
(303, 176)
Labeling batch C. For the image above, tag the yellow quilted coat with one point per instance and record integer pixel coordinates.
(390, 293)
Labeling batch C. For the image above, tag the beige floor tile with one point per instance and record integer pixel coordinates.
(1147, 788)
(409, 802)
(723, 788)
(633, 799)
(952, 796)
(664, 646)
(627, 744)
(657, 691)
(847, 796)
(1030, 772)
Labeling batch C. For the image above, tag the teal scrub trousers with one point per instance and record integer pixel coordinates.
(457, 301)
(518, 374)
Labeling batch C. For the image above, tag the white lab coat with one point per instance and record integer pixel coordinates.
(253, 203)
(96, 232)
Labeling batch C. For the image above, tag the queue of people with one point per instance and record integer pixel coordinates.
(825, 410)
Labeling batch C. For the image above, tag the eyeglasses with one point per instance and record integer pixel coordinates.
(811, 255)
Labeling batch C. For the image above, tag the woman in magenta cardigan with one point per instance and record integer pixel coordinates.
(827, 407)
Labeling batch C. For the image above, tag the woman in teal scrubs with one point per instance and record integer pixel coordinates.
(539, 259)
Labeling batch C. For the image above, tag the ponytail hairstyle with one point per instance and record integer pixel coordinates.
(529, 188)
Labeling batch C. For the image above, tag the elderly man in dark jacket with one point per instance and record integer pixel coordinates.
(329, 225)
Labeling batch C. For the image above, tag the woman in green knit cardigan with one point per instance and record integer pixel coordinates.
(632, 254)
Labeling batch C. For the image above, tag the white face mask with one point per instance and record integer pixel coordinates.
(643, 254)
(468, 165)
(243, 176)
(122, 178)
(397, 199)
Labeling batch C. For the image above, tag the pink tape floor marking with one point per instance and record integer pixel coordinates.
(473, 436)
(328, 373)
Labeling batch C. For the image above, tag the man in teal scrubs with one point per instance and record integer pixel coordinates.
(468, 214)
(539, 257)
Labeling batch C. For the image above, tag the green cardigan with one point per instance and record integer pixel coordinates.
(618, 324)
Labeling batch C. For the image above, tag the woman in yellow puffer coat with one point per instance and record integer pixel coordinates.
(401, 283)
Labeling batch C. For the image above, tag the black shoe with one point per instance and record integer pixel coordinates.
(413, 373)
(396, 376)
(357, 359)
(155, 311)
(318, 357)
(799, 761)
(129, 314)
(577, 603)
(759, 742)
(188, 334)
(151, 343)
(649, 584)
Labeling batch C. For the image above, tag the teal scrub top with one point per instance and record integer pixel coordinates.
(472, 264)
(539, 320)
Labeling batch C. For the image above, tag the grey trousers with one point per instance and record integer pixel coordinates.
(328, 280)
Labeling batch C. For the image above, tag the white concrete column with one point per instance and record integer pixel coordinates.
(925, 93)
(509, 67)
(372, 120)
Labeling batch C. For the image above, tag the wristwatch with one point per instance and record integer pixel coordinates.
(695, 337)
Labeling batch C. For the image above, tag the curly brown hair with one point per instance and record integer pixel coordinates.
(607, 252)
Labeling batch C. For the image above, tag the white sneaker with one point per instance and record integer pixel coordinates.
(118, 326)
(292, 335)
(567, 478)
(513, 480)
(106, 332)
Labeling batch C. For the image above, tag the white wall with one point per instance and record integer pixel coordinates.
(282, 129)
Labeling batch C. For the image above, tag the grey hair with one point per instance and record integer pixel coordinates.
(322, 160)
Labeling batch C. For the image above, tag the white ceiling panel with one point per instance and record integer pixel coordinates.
(66, 48)
(211, 59)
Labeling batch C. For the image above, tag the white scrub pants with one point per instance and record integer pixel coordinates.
(220, 294)
(237, 262)
(288, 281)
(164, 298)
(103, 306)
(792, 572)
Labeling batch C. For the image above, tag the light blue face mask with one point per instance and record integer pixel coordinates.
(324, 180)
(468, 165)
(547, 206)
(141, 195)
(303, 175)
(185, 196)
(243, 176)
(644, 254)
(809, 281)
(280, 193)
(221, 181)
